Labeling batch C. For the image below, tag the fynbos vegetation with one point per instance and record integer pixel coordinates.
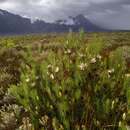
(80, 82)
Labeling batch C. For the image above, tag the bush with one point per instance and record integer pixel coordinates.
(75, 88)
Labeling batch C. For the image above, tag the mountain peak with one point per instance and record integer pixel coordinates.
(1, 12)
(80, 16)
(77, 20)
(12, 23)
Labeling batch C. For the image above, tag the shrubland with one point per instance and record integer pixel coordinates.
(76, 81)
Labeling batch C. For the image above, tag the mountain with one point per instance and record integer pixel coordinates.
(16, 24)
(11, 23)
(42, 26)
(80, 21)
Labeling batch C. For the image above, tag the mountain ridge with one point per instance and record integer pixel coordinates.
(13, 23)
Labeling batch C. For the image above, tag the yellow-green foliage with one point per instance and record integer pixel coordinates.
(75, 87)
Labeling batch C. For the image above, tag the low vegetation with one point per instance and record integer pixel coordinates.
(74, 81)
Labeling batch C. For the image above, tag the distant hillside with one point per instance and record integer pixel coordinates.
(11, 23)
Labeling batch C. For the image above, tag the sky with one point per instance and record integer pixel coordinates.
(112, 14)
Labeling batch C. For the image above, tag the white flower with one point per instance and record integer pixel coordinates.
(113, 102)
(70, 61)
(33, 84)
(67, 42)
(57, 69)
(128, 127)
(83, 126)
(52, 76)
(49, 66)
(36, 108)
(21, 127)
(60, 94)
(119, 123)
(16, 107)
(98, 123)
(48, 73)
(27, 80)
(65, 52)
(99, 57)
(124, 116)
(30, 125)
(111, 71)
(82, 66)
(116, 100)
(127, 75)
(81, 55)
(68, 51)
(93, 60)
(37, 77)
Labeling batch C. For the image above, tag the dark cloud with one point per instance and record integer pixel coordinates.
(2, 1)
(107, 13)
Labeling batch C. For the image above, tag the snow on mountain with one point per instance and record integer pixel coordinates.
(12, 23)
(67, 21)
(1, 12)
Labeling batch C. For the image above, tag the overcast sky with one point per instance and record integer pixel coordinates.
(106, 13)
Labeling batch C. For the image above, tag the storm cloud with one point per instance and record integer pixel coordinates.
(114, 14)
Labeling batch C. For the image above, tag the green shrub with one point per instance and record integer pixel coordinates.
(75, 88)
